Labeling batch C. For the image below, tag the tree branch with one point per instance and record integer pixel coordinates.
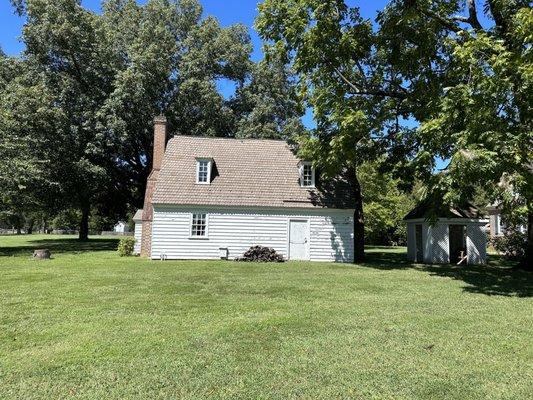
(472, 16)
(443, 21)
(497, 15)
(358, 90)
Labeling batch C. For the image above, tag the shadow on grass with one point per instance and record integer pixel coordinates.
(61, 245)
(497, 278)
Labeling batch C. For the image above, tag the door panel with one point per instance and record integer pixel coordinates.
(298, 240)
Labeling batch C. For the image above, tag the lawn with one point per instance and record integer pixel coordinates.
(91, 325)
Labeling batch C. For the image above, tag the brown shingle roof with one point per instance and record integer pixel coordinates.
(426, 208)
(246, 172)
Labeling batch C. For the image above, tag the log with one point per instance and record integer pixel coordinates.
(42, 254)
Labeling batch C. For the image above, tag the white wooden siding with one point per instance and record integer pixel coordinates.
(331, 232)
(436, 241)
(476, 244)
(137, 235)
(437, 249)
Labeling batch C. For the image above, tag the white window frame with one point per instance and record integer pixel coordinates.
(209, 162)
(191, 218)
(302, 165)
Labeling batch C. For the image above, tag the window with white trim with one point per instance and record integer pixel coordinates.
(203, 170)
(307, 175)
(199, 225)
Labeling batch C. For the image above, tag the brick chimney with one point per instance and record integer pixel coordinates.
(160, 139)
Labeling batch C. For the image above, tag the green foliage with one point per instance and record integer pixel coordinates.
(68, 220)
(268, 105)
(384, 206)
(512, 244)
(99, 222)
(125, 246)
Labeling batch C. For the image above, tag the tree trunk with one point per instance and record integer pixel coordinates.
(84, 223)
(31, 223)
(358, 218)
(527, 262)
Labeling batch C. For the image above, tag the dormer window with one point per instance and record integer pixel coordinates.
(307, 174)
(203, 170)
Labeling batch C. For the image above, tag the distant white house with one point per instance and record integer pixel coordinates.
(209, 198)
(497, 227)
(457, 236)
(121, 227)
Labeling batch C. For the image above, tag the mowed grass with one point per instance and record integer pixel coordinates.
(91, 325)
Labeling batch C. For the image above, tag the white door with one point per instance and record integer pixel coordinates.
(298, 239)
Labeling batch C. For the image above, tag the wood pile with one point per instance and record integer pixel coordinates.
(261, 254)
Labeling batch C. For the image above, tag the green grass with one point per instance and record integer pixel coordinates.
(91, 325)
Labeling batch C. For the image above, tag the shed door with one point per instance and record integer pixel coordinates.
(419, 256)
(298, 239)
(457, 242)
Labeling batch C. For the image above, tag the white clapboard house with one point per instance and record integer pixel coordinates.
(210, 198)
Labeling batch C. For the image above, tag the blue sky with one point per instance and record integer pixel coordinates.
(227, 11)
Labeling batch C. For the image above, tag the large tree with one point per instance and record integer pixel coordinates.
(71, 63)
(425, 80)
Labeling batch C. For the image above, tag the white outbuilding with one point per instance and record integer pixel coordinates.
(454, 235)
(121, 227)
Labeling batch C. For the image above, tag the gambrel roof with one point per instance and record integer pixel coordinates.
(245, 172)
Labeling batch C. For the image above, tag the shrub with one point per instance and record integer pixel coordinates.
(125, 246)
(512, 244)
(261, 254)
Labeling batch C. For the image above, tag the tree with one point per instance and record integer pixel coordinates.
(72, 61)
(355, 99)
(423, 82)
(171, 60)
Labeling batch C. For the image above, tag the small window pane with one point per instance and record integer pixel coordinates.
(199, 225)
(307, 175)
(203, 171)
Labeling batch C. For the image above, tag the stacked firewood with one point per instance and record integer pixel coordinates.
(261, 254)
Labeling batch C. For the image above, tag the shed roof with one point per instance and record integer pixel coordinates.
(428, 208)
(246, 172)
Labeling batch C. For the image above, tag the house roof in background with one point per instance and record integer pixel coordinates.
(426, 208)
(246, 172)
